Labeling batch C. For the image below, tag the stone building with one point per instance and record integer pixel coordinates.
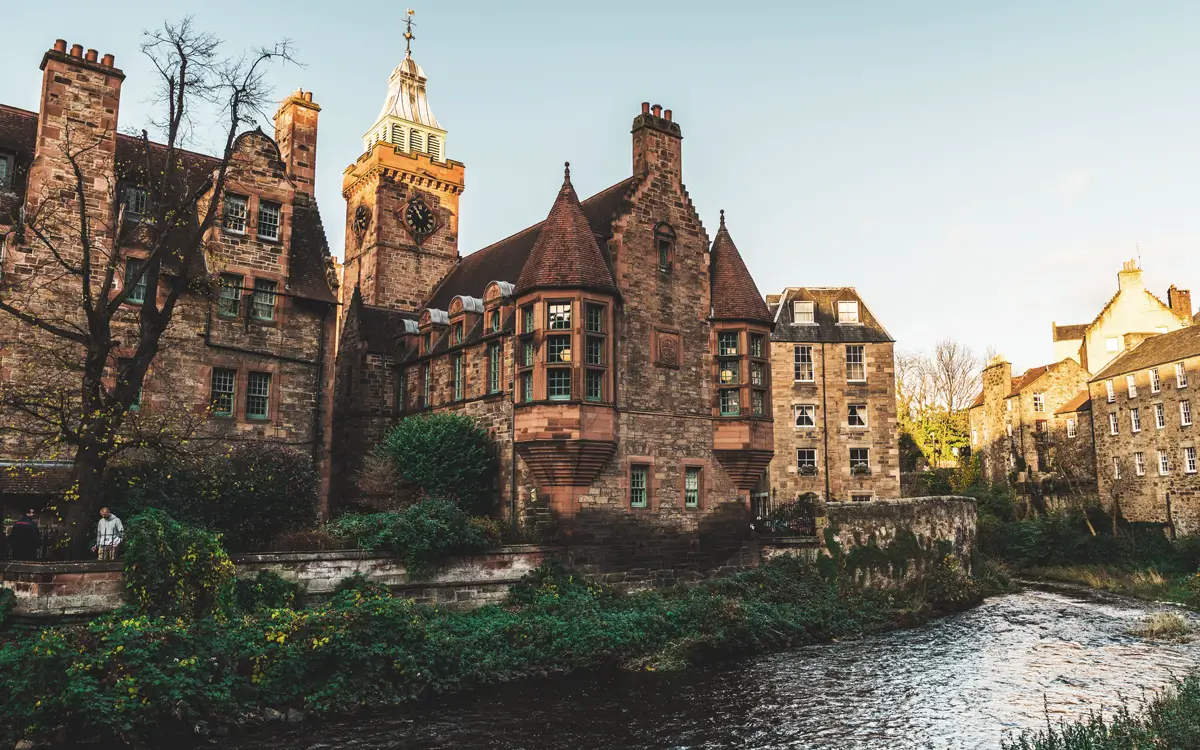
(619, 359)
(1015, 420)
(1145, 425)
(249, 354)
(1132, 310)
(834, 386)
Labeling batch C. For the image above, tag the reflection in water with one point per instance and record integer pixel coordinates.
(961, 682)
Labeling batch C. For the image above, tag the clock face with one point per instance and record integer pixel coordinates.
(420, 219)
(362, 220)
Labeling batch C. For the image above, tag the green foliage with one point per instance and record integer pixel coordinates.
(8, 600)
(422, 535)
(446, 456)
(267, 590)
(250, 495)
(174, 570)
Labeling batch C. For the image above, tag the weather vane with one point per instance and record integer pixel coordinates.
(408, 35)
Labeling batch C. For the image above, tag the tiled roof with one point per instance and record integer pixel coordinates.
(1156, 350)
(566, 253)
(34, 479)
(309, 254)
(826, 328)
(1081, 402)
(734, 294)
(1027, 379)
(977, 402)
(1069, 333)
(504, 260)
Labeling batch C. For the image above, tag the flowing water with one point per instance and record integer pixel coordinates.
(961, 682)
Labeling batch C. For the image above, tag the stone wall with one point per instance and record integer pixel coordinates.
(932, 520)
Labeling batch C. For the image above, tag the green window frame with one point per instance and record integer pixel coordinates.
(758, 373)
(730, 402)
(691, 487)
(223, 391)
(426, 377)
(495, 320)
(458, 378)
(758, 403)
(731, 372)
(594, 354)
(756, 345)
(527, 387)
(527, 319)
(494, 367)
(136, 286)
(727, 344)
(458, 333)
(258, 395)
(594, 387)
(229, 296)
(558, 384)
(558, 316)
(558, 349)
(595, 318)
(639, 489)
(264, 299)
(527, 354)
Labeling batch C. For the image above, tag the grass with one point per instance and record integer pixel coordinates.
(1166, 626)
(1147, 584)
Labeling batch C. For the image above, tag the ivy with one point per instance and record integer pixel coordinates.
(175, 570)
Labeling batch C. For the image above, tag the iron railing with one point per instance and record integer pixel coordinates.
(770, 516)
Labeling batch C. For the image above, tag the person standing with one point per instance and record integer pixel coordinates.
(23, 537)
(109, 532)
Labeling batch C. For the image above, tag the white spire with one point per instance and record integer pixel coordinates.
(406, 120)
(406, 95)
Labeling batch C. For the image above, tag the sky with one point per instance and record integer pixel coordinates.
(975, 170)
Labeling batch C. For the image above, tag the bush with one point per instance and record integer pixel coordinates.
(251, 495)
(8, 600)
(267, 590)
(173, 569)
(445, 456)
(308, 540)
(421, 535)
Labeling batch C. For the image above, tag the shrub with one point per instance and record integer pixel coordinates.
(250, 495)
(8, 600)
(267, 590)
(446, 456)
(308, 540)
(173, 569)
(422, 535)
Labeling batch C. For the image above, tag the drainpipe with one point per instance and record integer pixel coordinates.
(318, 431)
(825, 418)
(512, 435)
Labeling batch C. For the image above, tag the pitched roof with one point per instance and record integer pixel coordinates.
(825, 328)
(978, 401)
(1081, 402)
(1069, 333)
(734, 293)
(309, 254)
(1026, 379)
(565, 253)
(504, 260)
(1156, 350)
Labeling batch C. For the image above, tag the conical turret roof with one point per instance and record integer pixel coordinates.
(734, 293)
(566, 254)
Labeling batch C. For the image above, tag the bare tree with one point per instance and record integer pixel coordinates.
(955, 374)
(70, 305)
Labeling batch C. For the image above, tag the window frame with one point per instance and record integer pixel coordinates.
(1164, 463)
(1155, 381)
(553, 381)
(1131, 386)
(128, 190)
(1160, 416)
(231, 394)
(807, 319)
(798, 363)
(265, 297)
(1181, 378)
(855, 314)
(1114, 426)
(1110, 391)
(459, 376)
(495, 367)
(8, 177)
(866, 453)
(265, 397)
(1185, 413)
(862, 352)
(664, 247)
(236, 299)
(1189, 459)
(800, 464)
(637, 500)
(691, 494)
(133, 267)
(798, 411)
(241, 218)
(1139, 464)
(1135, 420)
(859, 412)
(264, 207)
(560, 320)
(1072, 427)
(1039, 402)
(729, 402)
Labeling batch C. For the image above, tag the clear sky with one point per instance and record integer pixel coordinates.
(976, 172)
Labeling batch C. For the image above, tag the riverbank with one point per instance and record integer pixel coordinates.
(1146, 583)
(138, 678)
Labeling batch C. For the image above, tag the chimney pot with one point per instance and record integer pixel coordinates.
(92, 55)
(645, 105)
(60, 45)
(108, 61)
(76, 50)
(667, 114)
(657, 108)
(308, 96)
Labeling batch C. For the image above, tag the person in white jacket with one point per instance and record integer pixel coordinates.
(109, 532)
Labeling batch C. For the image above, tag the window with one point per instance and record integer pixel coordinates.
(730, 406)
(558, 349)
(134, 199)
(558, 384)
(6, 170)
(1039, 402)
(861, 498)
(1131, 386)
(559, 316)
(264, 299)
(806, 458)
(1108, 388)
(526, 387)
(268, 220)
(856, 370)
(1008, 428)
(258, 395)
(1135, 419)
(756, 345)
(806, 415)
(757, 373)
(235, 213)
(1185, 413)
(135, 282)
(974, 437)
(426, 343)
(1139, 464)
(495, 320)
(594, 355)
(1116, 467)
(1164, 466)
(860, 458)
(229, 297)
(1111, 344)
(426, 384)
(435, 147)
(458, 333)
(527, 354)
(731, 372)
(664, 242)
(847, 312)
(1008, 405)
(594, 385)
(123, 366)
(1181, 380)
(639, 491)
(803, 312)
(1189, 460)
(1155, 382)
(494, 367)
(1160, 416)
(727, 344)
(1112, 424)
(758, 403)
(1071, 428)
(804, 364)
(527, 319)
(856, 415)
(595, 318)
(458, 377)
(224, 387)
(691, 487)
(1042, 426)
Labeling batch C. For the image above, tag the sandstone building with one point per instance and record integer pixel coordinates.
(249, 355)
(618, 356)
(1145, 412)
(834, 394)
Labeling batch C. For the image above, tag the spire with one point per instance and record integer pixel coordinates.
(406, 119)
(566, 254)
(734, 293)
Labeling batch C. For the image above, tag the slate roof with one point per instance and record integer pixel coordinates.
(309, 254)
(1156, 350)
(1026, 379)
(565, 253)
(1069, 333)
(504, 260)
(826, 328)
(734, 293)
(1081, 402)
(34, 479)
(979, 401)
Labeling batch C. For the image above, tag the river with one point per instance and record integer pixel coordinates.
(960, 682)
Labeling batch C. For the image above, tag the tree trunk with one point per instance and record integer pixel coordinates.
(87, 475)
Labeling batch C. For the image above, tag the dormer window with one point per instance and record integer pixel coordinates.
(803, 312)
(458, 333)
(847, 312)
(664, 243)
(495, 320)
(134, 199)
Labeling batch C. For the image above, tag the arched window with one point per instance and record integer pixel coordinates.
(435, 147)
(416, 140)
(664, 244)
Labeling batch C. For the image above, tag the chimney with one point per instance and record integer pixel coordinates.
(296, 134)
(657, 144)
(1180, 302)
(1130, 276)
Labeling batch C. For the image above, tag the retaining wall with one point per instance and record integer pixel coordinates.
(945, 518)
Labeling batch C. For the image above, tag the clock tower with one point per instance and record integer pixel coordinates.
(402, 198)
